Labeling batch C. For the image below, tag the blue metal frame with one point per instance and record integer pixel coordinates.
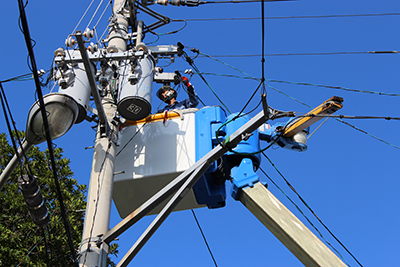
(206, 190)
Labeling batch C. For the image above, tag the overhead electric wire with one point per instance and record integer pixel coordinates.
(262, 80)
(6, 107)
(297, 100)
(102, 14)
(226, 64)
(45, 248)
(303, 83)
(263, 71)
(336, 53)
(309, 208)
(84, 14)
(59, 252)
(170, 32)
(348, 124)
(301, 17)
(248, 101)
(302, 213)
(94, 14)
(334, 87)
(239, 1)
(319, 126)
(28, 39)
(367, 133)
(263, 91)
(190, 61)
(378, 52)
(204, 238)
(351, 116)
(23, 77)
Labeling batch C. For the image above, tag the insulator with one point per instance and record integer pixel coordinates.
(34, 200)
(93, 48)
(70, 42)
(88, 33)
(162, 2)
(59, 52)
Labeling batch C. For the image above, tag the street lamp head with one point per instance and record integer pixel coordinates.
(62, 112)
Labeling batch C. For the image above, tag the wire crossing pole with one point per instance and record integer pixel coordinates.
(93, 251)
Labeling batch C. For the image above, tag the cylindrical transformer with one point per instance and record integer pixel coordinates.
(79, 90)
(134, 102)
(246, 147)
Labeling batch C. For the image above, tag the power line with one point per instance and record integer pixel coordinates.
(315, 215)
(351, 117)
(300, 17)
(303, 83)
(348, 124)
(204, 238)
(309, 54)
(297, 100)
(335, 87)
(25, 28)
(94, 14)
(239, 1)
(5, 105)
(365, 132)
(190, 61)
(23, 77)
(301, 212)
(84, 14)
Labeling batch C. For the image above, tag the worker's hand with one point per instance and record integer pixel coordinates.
(185, 81)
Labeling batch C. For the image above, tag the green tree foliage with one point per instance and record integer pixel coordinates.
(22, 242)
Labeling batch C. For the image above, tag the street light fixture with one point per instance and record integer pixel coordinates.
(62, 112)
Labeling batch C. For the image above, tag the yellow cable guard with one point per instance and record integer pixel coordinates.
(330, 106)
(155, 117)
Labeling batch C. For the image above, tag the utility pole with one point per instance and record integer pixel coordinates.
(97, 218)
(93, 252)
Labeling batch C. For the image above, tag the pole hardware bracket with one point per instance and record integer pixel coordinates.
(243, 176)
(99, 240)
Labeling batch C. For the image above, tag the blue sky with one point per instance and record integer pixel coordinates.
(349, 178)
